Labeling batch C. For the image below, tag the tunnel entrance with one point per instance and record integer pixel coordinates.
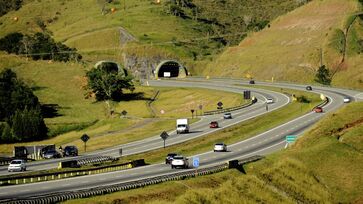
(170, 68)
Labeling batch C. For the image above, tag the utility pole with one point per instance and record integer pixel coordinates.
(321, 57)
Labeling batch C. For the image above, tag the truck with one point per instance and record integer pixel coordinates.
(182, 126)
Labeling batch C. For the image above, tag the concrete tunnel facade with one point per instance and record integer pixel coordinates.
(169, 69)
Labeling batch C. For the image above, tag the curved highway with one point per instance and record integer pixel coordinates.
(198, 129)
(265, 143)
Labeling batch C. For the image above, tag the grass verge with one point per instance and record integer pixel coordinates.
(320, 167)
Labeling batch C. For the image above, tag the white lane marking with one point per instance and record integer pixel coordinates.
(67, 184)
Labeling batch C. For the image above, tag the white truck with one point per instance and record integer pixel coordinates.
(182, 126)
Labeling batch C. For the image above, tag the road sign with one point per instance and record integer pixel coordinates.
(85, 138)
(164, 135)
(291, 138)
(195, 161)
(123, 113)
(219, 104)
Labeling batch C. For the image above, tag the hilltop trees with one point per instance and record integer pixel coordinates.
(20, 112)
(39, 46)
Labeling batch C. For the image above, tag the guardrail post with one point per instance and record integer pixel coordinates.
(31, 180)
(59, 176)
(24, 180)
(38, 178)
(16, 181)
(53, 177)
(65, 175)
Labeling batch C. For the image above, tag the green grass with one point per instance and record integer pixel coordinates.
(318, 168)
(62, 84)
(289, 49)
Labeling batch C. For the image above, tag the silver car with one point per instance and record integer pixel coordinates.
(17, 165)
(220, 147)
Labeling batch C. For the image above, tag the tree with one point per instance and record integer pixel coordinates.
(323, 76)
(108, 85)
(28, 125)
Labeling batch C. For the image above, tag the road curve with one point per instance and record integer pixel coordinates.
(198, 129)
(264, 143)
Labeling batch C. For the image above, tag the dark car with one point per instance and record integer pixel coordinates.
(252, 82)
(318, 110)
(51, 154)
(309, 88)
(213, 124)
(70, 151)
(170, 158)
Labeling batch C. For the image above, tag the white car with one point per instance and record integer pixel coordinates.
(269, 100)
(346, 100)
(17, 165)
(179, 162)
(220, 147)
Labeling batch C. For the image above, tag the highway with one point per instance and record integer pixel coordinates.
(262, 144)
(198, 129)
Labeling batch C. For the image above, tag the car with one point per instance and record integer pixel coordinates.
(51, 154)
(269, 100)
(318, 109)
(309, 88)
(227, 116)
(169, 158)
(220, 147)
(179, 161)
(70, 151)
(213, 124)
(346, 99)
(17, 165)
(252, 82)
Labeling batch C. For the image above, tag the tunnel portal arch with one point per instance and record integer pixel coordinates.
(170, 68)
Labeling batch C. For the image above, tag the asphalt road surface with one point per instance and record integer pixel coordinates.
(262, 144)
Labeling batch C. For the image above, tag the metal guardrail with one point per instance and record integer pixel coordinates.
(22, 179)
(228, 109)
(101, 190)
(96, 159)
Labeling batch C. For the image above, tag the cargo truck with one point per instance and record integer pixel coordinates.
(182, 126)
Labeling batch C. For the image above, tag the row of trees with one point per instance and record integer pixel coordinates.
(39, 46)
(20, 111)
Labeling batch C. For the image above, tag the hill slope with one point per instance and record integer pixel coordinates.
(289, 50)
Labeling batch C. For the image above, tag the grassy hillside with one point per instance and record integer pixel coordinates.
(323, 166)
(289, 50)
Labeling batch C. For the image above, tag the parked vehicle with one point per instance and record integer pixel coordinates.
(182, 126)
(309, 88)
(252, 82)
(169, 158)
(346, 99)
(269, 100)
(227, 116)
(70, 151)
(52, 154)
(220, 147)
(17, 165)
(179, 162)
(213, 124)
(318, 110)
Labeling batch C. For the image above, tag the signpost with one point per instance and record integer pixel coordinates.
(120, 152)
(291, 138)
(85, 138)
(196, 162)
(192, 110)
(219, 104)
(164, 135)
(124, 113)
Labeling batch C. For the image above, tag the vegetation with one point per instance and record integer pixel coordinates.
(108, 85)
(324, 166)
(322, 76)
(9, 5)
(20, 111)
(38, 46)
(297, 44)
